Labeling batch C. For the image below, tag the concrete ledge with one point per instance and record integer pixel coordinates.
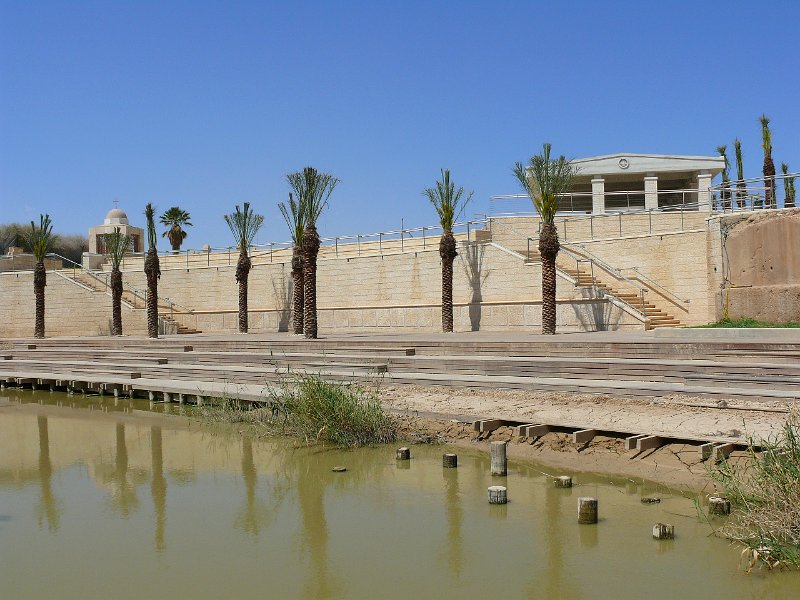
(771, 334)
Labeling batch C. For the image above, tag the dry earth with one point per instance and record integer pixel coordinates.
(440, 409)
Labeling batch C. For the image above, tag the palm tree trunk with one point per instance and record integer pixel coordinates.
(116, 302)
(153, 271)
(447, 252)
(242, 272)
(769, 183)
(297, 289)
(548, 248)
(39, 283)
(310, 251)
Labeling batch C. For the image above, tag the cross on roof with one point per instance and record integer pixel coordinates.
(116, 202)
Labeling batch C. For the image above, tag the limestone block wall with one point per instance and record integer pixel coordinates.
(493, 290)
(69, 309)
(761, 258)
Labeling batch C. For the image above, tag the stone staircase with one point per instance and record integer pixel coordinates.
(655, 316)
(170, 319)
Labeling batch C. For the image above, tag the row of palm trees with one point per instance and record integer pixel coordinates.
(730, 198)
(543, 179)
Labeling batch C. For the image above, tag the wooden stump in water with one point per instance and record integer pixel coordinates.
(662, 531)
(499, 461)
(403, 453)
(587, 511)
(718, 505)
(564, 481)
(498, 494)
(450, 461)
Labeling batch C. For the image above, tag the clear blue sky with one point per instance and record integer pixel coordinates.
(208, 104)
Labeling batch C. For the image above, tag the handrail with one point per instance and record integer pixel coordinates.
(606, 267)
(655, 284)
(137, 292)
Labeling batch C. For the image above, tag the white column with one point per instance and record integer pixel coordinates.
(598, 196)
(704, 191)
(651, 192)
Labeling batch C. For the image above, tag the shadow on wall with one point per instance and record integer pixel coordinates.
(283, 297)
(597, 316)
(473, 255)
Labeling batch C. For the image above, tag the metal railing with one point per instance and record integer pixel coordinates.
(104, 279)
(622, 200)
(591, 262)
(364, 244)
(752, 194)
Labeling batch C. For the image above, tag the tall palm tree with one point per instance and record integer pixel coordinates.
(294, 215)
(543, 179)
(449, 203)
(39, 239)
(117, 246)
(313, 189)
(741, 186)
(769, 166)
(175, 218)
(152, 270)
(725, 193)
(788, 187)
(244, 225)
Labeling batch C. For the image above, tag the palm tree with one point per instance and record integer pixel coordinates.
(741, 186)
(294, 215)
(175, 218)
(152, 270)
(117, 246)
(313, 189)
(788, 187)
(769, 166)
(449, 203)
(39, 239)
(244, 225)
(725, 193)
(543, 179)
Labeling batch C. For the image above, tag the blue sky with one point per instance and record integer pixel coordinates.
(208, 104)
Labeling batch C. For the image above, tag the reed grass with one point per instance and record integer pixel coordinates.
(765, 495)
(315, 410)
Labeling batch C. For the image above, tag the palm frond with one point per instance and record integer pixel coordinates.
(544, 179)
(294, 214)
(39, 237)
(766, 135)
(244, 225)
(176, 216)
(737, 146)
(448, 200)
(149, 215)
(313, 189)
(117, 246)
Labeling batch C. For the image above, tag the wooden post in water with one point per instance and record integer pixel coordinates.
(498, 494)
(403, 453)
(718, 505)
(662, 531)
(450, 461)
(564, 481)
(587, 511)
(499, 461)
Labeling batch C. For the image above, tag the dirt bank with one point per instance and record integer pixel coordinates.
(672, 464)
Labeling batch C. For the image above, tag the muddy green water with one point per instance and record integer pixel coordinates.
(99, 500)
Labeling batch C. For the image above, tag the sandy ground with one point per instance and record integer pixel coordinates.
(673, 464)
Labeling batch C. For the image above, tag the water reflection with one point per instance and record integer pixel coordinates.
(269, 517)
(158, 486)
(49, 507)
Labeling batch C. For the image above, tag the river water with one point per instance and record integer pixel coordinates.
(112, 500)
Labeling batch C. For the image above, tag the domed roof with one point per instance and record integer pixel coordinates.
(116, 216)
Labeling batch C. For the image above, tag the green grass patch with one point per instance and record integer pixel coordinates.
(317, 411)
(747, 323)
(765, 494)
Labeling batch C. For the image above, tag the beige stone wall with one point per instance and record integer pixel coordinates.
(493, 290)
(69, 309)
(762, 265)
